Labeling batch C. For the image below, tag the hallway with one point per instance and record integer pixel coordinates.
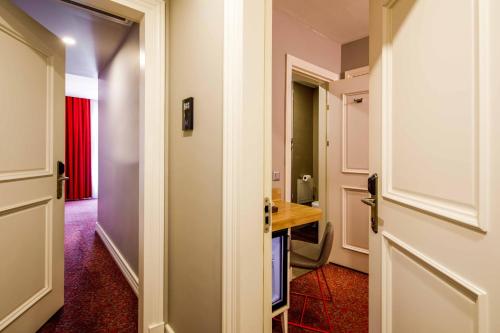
(96, 295)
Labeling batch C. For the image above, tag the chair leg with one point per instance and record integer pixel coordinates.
(284, 322)
(325, 308)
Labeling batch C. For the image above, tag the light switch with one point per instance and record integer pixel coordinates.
(188, 114)
(276, 176)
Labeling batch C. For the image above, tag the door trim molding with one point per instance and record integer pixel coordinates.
(152, 17)
(360, 71)
(345, 168)
(388, 241)
(232, 125)
(43, 50)
(48, 204)
(346, 245)
(322, 77)
(169, 329)
(477, 215)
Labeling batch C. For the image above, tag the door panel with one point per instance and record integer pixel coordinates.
(432, 144)
(348, 170)
(25, 60)
(29, 224)
(428, 91)
(354, 217)
(412, 281)
(31, 142)
(355, 132)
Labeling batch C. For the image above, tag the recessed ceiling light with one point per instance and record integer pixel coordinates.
(68, 40)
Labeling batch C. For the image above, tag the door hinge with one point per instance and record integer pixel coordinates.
(328, 143)
(327, 107)
(268, 208)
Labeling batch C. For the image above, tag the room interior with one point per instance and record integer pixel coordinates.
(320, 210)
(102, 163)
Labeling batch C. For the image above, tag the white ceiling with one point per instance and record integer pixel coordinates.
(342, 21)
(97, 39)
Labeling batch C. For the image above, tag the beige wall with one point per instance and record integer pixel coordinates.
(293, 37)
(118, 205)
(355, 54)
(195, 167)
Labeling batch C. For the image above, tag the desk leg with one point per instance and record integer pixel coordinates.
(284, 322)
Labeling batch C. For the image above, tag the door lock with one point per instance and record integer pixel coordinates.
(372, 201)
(60, 179)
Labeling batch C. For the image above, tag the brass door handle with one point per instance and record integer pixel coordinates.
(60, 180)
(372, 202)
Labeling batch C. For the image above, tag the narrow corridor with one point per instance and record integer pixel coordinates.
(96, 295)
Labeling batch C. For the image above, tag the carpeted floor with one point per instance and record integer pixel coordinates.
(96, 295)
(332, 299)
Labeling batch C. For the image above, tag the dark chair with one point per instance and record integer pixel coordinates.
(325, 247)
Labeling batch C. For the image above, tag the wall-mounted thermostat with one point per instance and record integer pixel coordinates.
(187, 114)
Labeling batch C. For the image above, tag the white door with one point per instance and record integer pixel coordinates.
(31, 143)
(435, 76)
(348, 172)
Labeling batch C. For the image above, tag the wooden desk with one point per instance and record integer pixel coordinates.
(291, 215)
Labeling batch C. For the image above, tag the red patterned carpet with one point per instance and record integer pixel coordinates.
(332, 299)
(96, 295)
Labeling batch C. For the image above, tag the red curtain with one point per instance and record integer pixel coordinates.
(78, 157)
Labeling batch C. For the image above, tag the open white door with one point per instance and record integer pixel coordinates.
(31, 143)
(348, 172)
(434, 263)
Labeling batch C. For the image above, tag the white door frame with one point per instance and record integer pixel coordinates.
(322, 77)
(152, 18)
(247, 114)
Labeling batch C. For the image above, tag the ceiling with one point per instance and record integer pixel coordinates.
(342, 21)
(97, 38)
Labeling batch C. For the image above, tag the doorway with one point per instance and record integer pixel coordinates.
(307, 147)
(102, 143)
(149, 137)
(324, 129)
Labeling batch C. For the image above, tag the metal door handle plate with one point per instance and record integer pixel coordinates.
(60, 180)
(372, 202)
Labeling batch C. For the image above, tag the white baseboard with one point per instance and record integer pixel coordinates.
(169, 329)
(157, 328)
(127, 271)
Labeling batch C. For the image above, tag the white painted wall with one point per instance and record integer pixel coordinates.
(81, 86)
(118, 208)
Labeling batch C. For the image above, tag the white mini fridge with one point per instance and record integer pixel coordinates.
(280, 269)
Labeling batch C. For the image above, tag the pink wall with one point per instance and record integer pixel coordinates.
(290, 36)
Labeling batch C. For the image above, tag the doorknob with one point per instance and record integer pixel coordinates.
(372, 201)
